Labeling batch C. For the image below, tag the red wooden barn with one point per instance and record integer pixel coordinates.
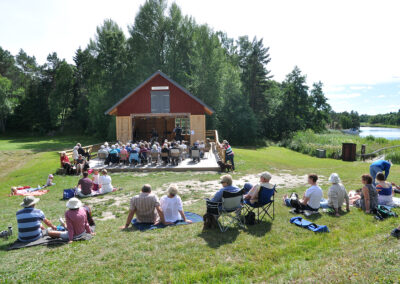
(159, 104)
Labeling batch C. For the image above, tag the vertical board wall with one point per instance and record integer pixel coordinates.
(124, 128)
(198, 125)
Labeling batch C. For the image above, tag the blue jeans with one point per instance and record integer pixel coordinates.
(373, 170)
(230, 158)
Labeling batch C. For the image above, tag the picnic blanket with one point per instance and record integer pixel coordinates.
(195, 218)
(71, 192)
(24, 192)
(299, 221)
(45, 241)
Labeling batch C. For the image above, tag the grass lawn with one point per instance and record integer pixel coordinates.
(357, 249)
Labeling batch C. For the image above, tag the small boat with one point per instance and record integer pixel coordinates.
(352, 131)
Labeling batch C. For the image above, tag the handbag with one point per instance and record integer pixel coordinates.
(69, 193)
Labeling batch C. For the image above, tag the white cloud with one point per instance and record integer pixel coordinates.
(343, 96)
(360, 87)
(381, 96)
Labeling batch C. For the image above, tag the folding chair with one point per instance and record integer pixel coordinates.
(228, 211)
(154, 157)
(165, 155)
(175, 156)
(266, 199)
(196, 155)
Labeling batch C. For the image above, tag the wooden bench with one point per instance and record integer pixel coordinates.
(91, 149)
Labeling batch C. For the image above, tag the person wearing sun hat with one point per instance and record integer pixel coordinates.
(77, 224)
(30, 220)
(337, 194)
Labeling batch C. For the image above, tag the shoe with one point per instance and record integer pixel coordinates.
(395, 233)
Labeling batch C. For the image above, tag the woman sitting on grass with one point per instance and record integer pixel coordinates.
(171, 205)
(76, 222)
(337, 194)
(369, 195)
(385, 191)
(105, 182)
(66, 164)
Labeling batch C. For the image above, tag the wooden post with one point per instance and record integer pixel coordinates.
(363, 149)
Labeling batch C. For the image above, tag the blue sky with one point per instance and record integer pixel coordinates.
(351, 46)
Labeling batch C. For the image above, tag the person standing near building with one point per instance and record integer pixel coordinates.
(378, 167)
(178, 133)
(229, 155)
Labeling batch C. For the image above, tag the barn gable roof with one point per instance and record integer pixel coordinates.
(209, 110)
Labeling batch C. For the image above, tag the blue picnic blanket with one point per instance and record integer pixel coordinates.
(299, 221)
(195, 218)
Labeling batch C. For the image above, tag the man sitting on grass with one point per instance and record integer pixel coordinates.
(30, 221)
(147, 208)
(311, 199)
(85, 186)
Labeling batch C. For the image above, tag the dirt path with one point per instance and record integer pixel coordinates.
(207, 188)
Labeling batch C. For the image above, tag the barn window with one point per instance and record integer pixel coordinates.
(160, 102)
(184, 122)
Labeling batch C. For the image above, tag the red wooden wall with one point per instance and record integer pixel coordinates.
(140, 102)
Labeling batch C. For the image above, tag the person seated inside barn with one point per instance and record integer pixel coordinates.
(165, 157)
(123, 155)
(103, 152)
(143, 154)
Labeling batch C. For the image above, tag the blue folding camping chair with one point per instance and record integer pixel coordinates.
(266, 200)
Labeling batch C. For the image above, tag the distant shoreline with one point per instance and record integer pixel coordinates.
(366, 124)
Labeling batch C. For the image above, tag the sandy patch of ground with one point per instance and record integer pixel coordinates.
(283, 181)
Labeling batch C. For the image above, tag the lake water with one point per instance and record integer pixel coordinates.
(388, 133)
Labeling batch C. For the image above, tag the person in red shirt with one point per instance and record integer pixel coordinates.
(65, 163)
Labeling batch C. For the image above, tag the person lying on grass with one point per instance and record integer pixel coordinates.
(369, 196)
(172, 207)
(311, 199)
(252, 195)
(385, 191)
(147, 208)
(30, 220)
(337, 194)
(77, 224)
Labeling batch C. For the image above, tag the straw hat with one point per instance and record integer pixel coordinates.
(29, 201)
(334, 178)
(74, 203)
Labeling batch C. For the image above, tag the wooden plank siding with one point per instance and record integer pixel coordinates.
(198, 125)
(124, 128)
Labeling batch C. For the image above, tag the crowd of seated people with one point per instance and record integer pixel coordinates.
(143, 152)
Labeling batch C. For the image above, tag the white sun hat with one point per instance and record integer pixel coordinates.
(334, 178)
(74, 203)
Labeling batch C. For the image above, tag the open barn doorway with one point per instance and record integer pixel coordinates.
(143, 128)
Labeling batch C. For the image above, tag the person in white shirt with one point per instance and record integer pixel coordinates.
(105, 182)
(311, 199)
(337, 194)
(171, 205)
(252, 195)
(75, 154)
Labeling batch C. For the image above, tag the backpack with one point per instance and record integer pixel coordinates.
(382, 212)
(250, 218)
(69, 193)
(209, 222)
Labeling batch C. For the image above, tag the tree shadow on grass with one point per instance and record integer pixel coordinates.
(259, 229)
(215, 238)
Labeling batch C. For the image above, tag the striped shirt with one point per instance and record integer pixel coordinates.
(145, 205)
(29, 221)
(228, 150)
